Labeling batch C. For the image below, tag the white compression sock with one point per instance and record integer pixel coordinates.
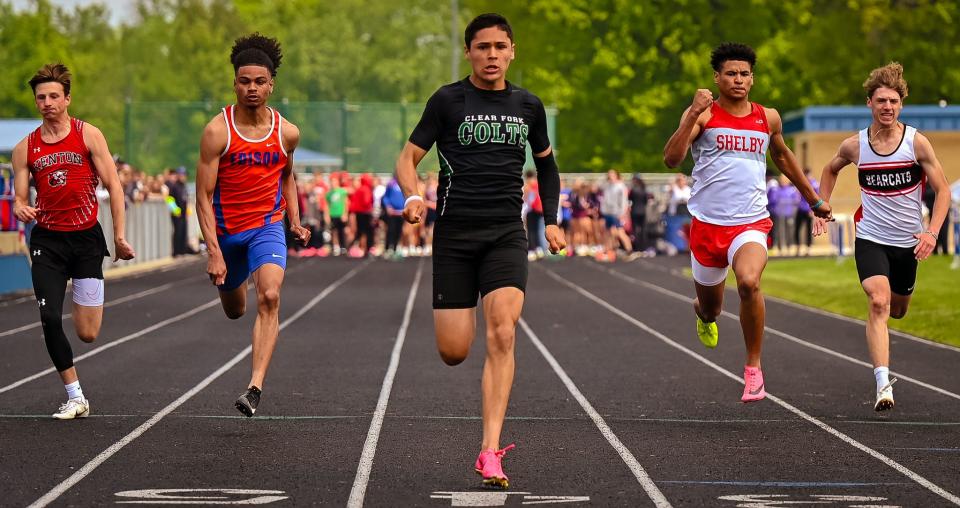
(73, 390)
(882, 374)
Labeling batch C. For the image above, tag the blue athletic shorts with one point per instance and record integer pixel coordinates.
(246, 251)
(612, 221)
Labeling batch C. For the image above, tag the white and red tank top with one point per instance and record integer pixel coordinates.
(66, 180)
(730, 166)
(891, 191)
(249, 179)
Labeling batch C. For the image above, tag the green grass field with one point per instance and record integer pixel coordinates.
(832, 285)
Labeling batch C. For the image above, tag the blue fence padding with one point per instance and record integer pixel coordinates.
(16, 273)
(674, 231)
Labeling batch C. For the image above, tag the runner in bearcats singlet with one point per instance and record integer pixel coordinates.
(245, 182)
(67, 158)
(482, 126)
(894, 162)
(729, 139)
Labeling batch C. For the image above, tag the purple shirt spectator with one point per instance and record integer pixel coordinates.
(787, 199)
(804, 206)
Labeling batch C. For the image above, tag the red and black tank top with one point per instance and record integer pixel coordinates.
(66, 180)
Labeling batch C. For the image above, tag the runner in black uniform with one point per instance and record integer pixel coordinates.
(482, 126)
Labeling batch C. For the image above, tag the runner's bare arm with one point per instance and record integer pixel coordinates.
(941, 205)
(787, 162)
(846, 155)
(212, 144)
(21, 184)
(291, 139)
(107, 171)
(407, 163)
(691, 124)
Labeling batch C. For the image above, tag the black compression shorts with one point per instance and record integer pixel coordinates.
(899, 264)
(76, 254)
(472, 259)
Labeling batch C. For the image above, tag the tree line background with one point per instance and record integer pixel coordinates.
(619, 71)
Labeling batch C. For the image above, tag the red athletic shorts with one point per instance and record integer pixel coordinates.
(710, 243)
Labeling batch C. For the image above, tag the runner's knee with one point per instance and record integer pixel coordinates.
(87, 336)
(501, 338)
(270, 298)
(898, 311)
(748, 285)
(233, 313)
(453, 353)
(880, 304)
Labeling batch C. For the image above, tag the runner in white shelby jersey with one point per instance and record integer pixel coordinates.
(729, 139)
(893, 161)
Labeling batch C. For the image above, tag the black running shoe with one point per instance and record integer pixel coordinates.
(248, 401)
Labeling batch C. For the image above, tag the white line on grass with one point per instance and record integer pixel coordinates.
(89, 467)
(641, 475)
(359, 489)
(841, 317)
(785, 335)
(836, 433)
(141, 294)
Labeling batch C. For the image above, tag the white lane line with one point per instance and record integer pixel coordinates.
(115, 343)
(89, 467)
(360, 482)
(111, 303)
(834, 432)
(785, 335)
(121, 341)
(15, 301)
(638, 472)
(679, 274)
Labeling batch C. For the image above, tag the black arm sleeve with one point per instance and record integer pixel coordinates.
(427, 131)
(538, 138)
(548, 179)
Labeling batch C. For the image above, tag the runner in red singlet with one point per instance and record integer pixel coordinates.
(67, 158)
(729, 139)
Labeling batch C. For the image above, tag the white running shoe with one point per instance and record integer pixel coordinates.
(73, 408)
(885, 397)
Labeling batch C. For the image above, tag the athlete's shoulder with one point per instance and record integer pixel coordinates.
(448, 94)
(291, 133)
(215, 135)
(92, 136)
(528, 96)
(20, 149)
(87, 128)
(216, 126)
(850, 148)
(771, 113)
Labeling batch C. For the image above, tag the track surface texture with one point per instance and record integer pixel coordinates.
(615, 402)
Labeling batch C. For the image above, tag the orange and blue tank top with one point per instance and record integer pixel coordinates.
(250, 178)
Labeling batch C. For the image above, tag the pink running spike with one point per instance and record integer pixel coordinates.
(489, 465)
(753, 389)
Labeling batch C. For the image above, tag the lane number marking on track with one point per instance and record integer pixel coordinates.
(201, 496)
(487, 498)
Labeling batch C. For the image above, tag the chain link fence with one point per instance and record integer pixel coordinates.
(352, 136)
